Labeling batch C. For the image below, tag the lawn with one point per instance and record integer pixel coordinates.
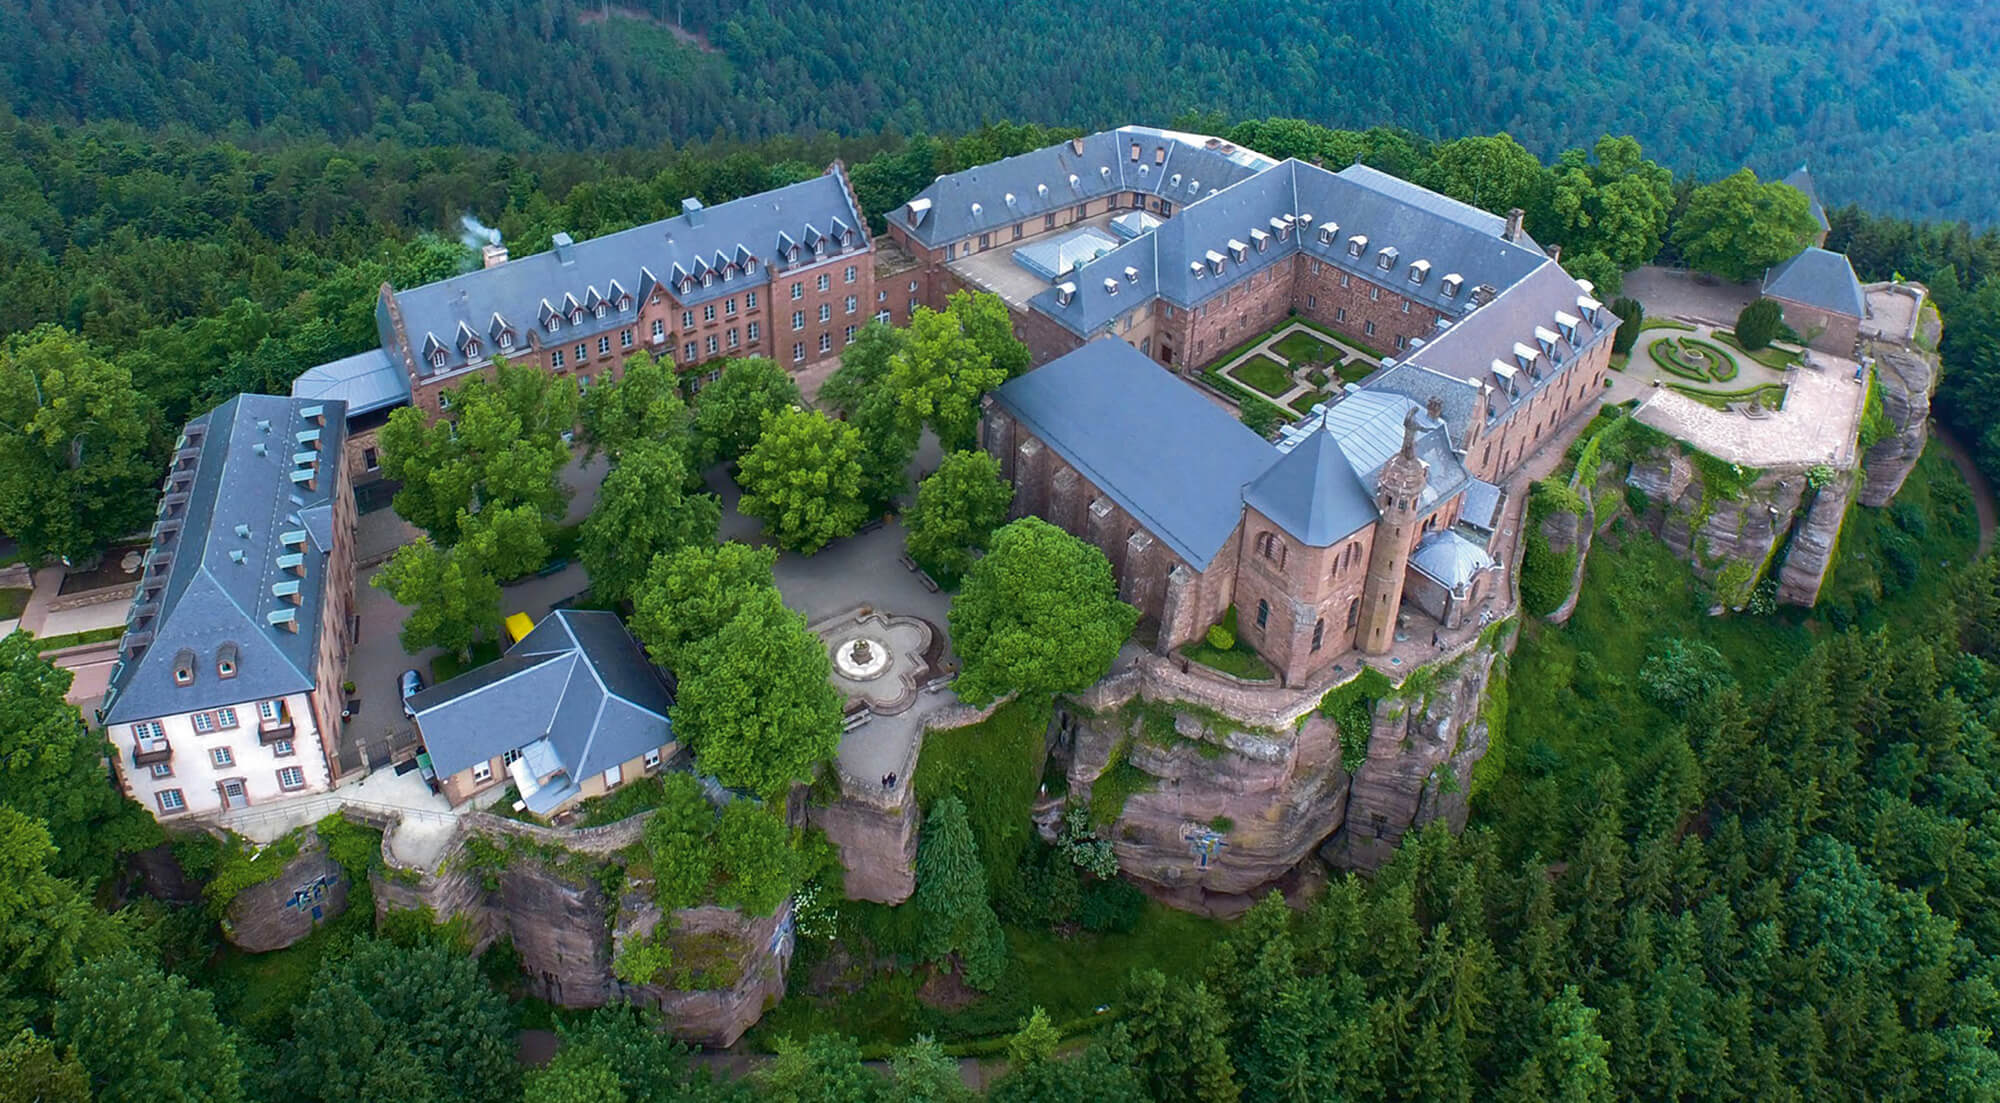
(12, 602)
(446, 667)
(1771, 395)
(1263, 373)
(1238, 661)
(1650, 322)
(1305, 402)
(1301, 347)
(1770, 356)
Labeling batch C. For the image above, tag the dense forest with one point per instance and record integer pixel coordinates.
(1866, 92)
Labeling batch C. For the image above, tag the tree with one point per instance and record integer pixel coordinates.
(388, 1022)
(803, 480)
(1631, 316)
(921, 1072)
(755, 702)
(956, 511)
(643, 406)
(142, 1035)
(505, 542)
(1757, 324)
(1096, 1076)
(1035, 1041)
(688, 596)
(573, 1076)
(729, 414)
(1570, 1053)
(50, 768)
(31, 1071)
(1609, 215)
(1179, 1040)
(650, 1065)
(643, 511)
(1493, 173)
(677, 839)
(1259, 416)
(1039, 615)
(500, 445)
(984, 318)
(759, 859)
(941, 374)
(1737, 227)
(864, 364)
(1683, 674)
(77, 462)
(825, 1068)
(46, 926)
(955, 914)
(453, 599)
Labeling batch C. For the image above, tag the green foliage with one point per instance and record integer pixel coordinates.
(240, 864)
(1116, 785)
(759, 859)
(1035, 1042)
(77, 441)
(642, 960)
(505, 542)
(454, 601)
(139, 1034)
(1351, 707)
(1235, 660)
(1545, 574)
(992, 767)
(650, 1066)
(678, 841)
(574, 1076)
(33, 1071)
(1876, 425)
(643, 511)
(1263, 373)
(1220, 638)
(1493, 173)
(951, 897)
(957, 510)
(1079, 842)
(642, 406)
(755, 702)
(1758, 323)
(500, 445)
(1038, 615)
(729, 416)
(1683, 675)
(1737, 227)
(949, 360)
(1259, 416)
(690, 594)
(389, 1021)
(1631, 319)
(803, 479)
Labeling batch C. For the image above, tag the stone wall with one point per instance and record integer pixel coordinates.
(1908, 379)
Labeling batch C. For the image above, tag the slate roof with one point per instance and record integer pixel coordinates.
(578, 681)
(1449, 559)
(1314, 493)
(719, 240)
(1821, 278)
(366, 382)
(1802, 180)
(1169, 457)
(1369, 426)
(232, 521)
(1188, 167)
(1481, 507)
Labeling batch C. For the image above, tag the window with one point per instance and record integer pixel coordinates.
(693, 353)
(687, 319)
(267, 710)
(582, 383)
(709, 344)
(624, 338)
(604, 345)
(1406, 306)
(554, 323)
(582, 352)
(170, 800)
(1340, 314)
(1402, 343)
(204, 723)
(221, 756)
(1368, 328)
(824, 282)
(1311, 301)
(882, 316)
(708, 313)
(913, 287)
(659, 329)
(1319, 633)
(614, 777)
(729, 307)
(506, 339)
(1374, 293)
(291, 777)
(798, 291)
(798, 351)
(556, 359)
(749, 300)
(1048, 222)
(826, 312)
(912, 312)
(597, 311)
(732, 337)
(847, 336)
(184, 671)
(798, 320)
(853, 304)
(163, 769)
(1263, 612)
(444, 400)
(985, 242)
(826, 342)
(225, 718)
(511, 757)
(653, 759)
(1354, 612)
(482, 772)
(848, 276)
(371, 459)
(282, 748)
(751, 332)
(1343, 279)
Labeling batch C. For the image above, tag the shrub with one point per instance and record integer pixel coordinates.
(1545, 574)
(1758, 324)
(1631, 316)
(1317, 377)
(1220, 638)
(1683, 674)
(1113, 905)
(1260, 416)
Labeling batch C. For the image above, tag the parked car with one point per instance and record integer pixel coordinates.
(411, 684)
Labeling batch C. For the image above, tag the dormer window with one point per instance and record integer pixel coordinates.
(1326, 235)
(506, 339)
(437, 358)
(1450, 284)
(184, 668)
(1357, 245)
(624, 303)
(1386, 259)
(555, 323)
(1238, 251)
(1261, 239)
(598, 310)
(225, 661)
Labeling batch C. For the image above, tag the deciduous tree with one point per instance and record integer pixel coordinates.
(504, 542)
(956, 512)
(688, 596)
(1039, 615)
(453, 598)
(759, 860)
(643, 511)
(755, 701)
(1493, 173)
(729, 413)
(803, 480)
(1737, 227)
(942, 372)
(642, 406)
(141, 1035)
(499, 445)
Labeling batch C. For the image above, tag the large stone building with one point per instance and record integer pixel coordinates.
(227, 689)
(789, 274)
(1821, 298)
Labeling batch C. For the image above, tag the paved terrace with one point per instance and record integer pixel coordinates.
(1822, 411)
(994, 269)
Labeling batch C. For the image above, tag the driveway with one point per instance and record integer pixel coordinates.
(1678, 293)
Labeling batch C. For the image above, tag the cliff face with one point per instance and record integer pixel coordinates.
(1220, 813)
(877, 840)
(311, 889)
(1908, 378)
(729, 968)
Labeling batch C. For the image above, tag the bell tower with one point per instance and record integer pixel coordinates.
(1398, 491)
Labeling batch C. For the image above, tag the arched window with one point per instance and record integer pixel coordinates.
(1263, 612)
(1354, 612)
(1319, 633)
(1271, 548)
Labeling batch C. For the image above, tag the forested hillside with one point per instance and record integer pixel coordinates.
(1895, 103)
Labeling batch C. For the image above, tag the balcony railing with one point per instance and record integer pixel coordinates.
(146, 752)
(270, 731)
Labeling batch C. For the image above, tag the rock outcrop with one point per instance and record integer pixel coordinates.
(728, 968)
(274, 914)
(1908, 378)
(1814, 536)
(877, 840)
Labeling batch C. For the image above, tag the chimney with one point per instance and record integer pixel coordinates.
(1514, 218)
(1434, 406)
(494, 255)
(565, 247)
(1556, 253)
(691, 209)
(1076, 146)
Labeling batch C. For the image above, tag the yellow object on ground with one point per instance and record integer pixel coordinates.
(518, 625)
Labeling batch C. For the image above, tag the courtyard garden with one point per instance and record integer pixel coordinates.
(1711, 366)
(1297, 364)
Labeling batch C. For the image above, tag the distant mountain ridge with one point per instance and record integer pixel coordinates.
(1895, 105)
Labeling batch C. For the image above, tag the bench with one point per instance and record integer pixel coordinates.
(929, 582)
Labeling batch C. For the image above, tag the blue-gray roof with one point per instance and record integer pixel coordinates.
(366, 382)
(1169, 457)
(1802, 180)
(1481, 508)
(1313, 493)
(578, 680)
(573, 278)
(1055, 257)
(1821, 278)
(1449, 559)
(1369, 426)
(1173, 165)
(238, 560)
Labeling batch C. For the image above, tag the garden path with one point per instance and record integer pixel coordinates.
(1266, 346)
